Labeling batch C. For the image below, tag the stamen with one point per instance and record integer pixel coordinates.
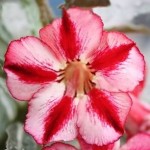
(77, 77)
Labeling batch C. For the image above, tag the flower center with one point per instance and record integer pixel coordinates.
(78, 78)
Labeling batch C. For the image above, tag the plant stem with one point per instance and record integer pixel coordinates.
(45, 12)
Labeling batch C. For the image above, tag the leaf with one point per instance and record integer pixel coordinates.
(3, 46)
(33, 15)
(2, 74)
(18, 139)
(87, 3)
(17, 19)
(20, 18)
(8, 108)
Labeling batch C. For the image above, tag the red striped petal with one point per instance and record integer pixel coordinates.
(140, 141)
(105, 113)
(57, 118)
(29, 64)
(119, 65)
(69, 41)
(102, 104)
(138, 118)
(109, 58)
(51, 116)
(114, 47)
(71, 35)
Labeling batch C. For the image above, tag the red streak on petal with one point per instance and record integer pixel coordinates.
(57, 118)
(107, 111)
(68, 40)
(109, 58)
(31, 74)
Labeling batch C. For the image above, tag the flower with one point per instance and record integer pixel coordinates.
(76, 78)
(133, 143)
(86, 146)
(138, 119)
(138, 142)
(59, 146)
(82, 146)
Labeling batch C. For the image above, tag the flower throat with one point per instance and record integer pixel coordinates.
(77, 77)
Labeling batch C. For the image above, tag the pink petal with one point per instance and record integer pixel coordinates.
(105, 113)
(19, 89)
(86, 146)
(139, 88)
(140, 141)
(59, 146)
(51, 116)
(138, 117)
(72, 35)
(120, 64)
(50, 35)
(29, 64)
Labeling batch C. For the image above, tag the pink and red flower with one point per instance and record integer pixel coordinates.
(76, 77)
(138, 119)
(59, 146)
(138, 142)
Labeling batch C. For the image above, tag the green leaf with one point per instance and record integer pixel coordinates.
(17, 19)
(20, 18)
(33, 15)
(1, 67)
(18, 139)
(8, 108)
(3, 46)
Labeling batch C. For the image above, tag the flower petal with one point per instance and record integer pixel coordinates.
(116, 51)
(72, 35)
(139, 88)
(29, 64)
(138, 142)
(86, 146)
(59, 146)
(51, 116)
(119, 63)
(104, 113)
(50, 35)
(138, 117)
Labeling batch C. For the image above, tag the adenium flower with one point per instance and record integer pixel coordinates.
(59, 146)
(63, 146)
(76, 78)
(138, 118)
(140, 141)
(140, 87)
(86, 146)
